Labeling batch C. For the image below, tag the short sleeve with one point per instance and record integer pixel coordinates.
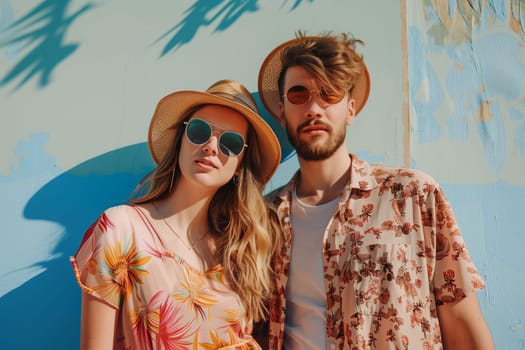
(106, 264)
(455, 274)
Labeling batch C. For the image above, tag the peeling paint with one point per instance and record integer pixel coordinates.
(520, 139)
(456, 21)
(517, 16)
(484, 113)
(477, 87)
(516, 327)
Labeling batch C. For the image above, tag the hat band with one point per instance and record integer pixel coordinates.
(234, 99)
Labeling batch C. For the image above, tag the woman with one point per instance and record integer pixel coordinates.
(187, 265)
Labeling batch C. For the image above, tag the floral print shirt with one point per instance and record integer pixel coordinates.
(392, 254)
(162, 302)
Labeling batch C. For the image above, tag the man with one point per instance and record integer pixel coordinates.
(371, 256)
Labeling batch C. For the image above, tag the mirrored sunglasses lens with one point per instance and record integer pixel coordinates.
(298, 95)
(231, 143)
(198, 131)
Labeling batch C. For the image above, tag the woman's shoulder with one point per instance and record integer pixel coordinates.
(122, 214)
(120, 210)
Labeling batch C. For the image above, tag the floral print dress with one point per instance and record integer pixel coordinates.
(163, 302)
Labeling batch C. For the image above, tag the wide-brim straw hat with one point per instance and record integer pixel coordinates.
(229, 93)
(271, 70)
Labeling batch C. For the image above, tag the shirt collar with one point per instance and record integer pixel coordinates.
(361, 179)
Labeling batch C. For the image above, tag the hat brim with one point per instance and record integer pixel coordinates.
(175, 106)
(270, 71)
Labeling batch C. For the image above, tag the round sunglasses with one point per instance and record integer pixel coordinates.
(198, 132)
(299, 95)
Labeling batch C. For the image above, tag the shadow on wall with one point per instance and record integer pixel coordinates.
(47, 25)
(204, 13)
(44, 312)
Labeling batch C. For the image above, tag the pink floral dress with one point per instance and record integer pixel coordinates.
(163, 302)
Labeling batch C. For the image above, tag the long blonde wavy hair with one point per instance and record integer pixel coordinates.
(239, 218)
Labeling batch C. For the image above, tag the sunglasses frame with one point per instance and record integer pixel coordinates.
(310, 93)
(213, 130)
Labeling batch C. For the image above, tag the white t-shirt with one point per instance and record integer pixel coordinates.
(305, 324)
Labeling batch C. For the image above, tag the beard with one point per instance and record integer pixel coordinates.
(313, 151)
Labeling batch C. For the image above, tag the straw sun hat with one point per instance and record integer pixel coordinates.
(271, 70)
(229, 93)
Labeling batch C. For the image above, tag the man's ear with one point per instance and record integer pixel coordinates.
(351, 111)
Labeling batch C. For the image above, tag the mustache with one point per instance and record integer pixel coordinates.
(313, 123)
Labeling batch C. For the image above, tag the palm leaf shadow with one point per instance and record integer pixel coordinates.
(42, 31)
(205, 13)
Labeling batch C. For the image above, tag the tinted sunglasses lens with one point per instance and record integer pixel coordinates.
(330, 99)
(231, 143)
(198, 131)
(298, 95)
